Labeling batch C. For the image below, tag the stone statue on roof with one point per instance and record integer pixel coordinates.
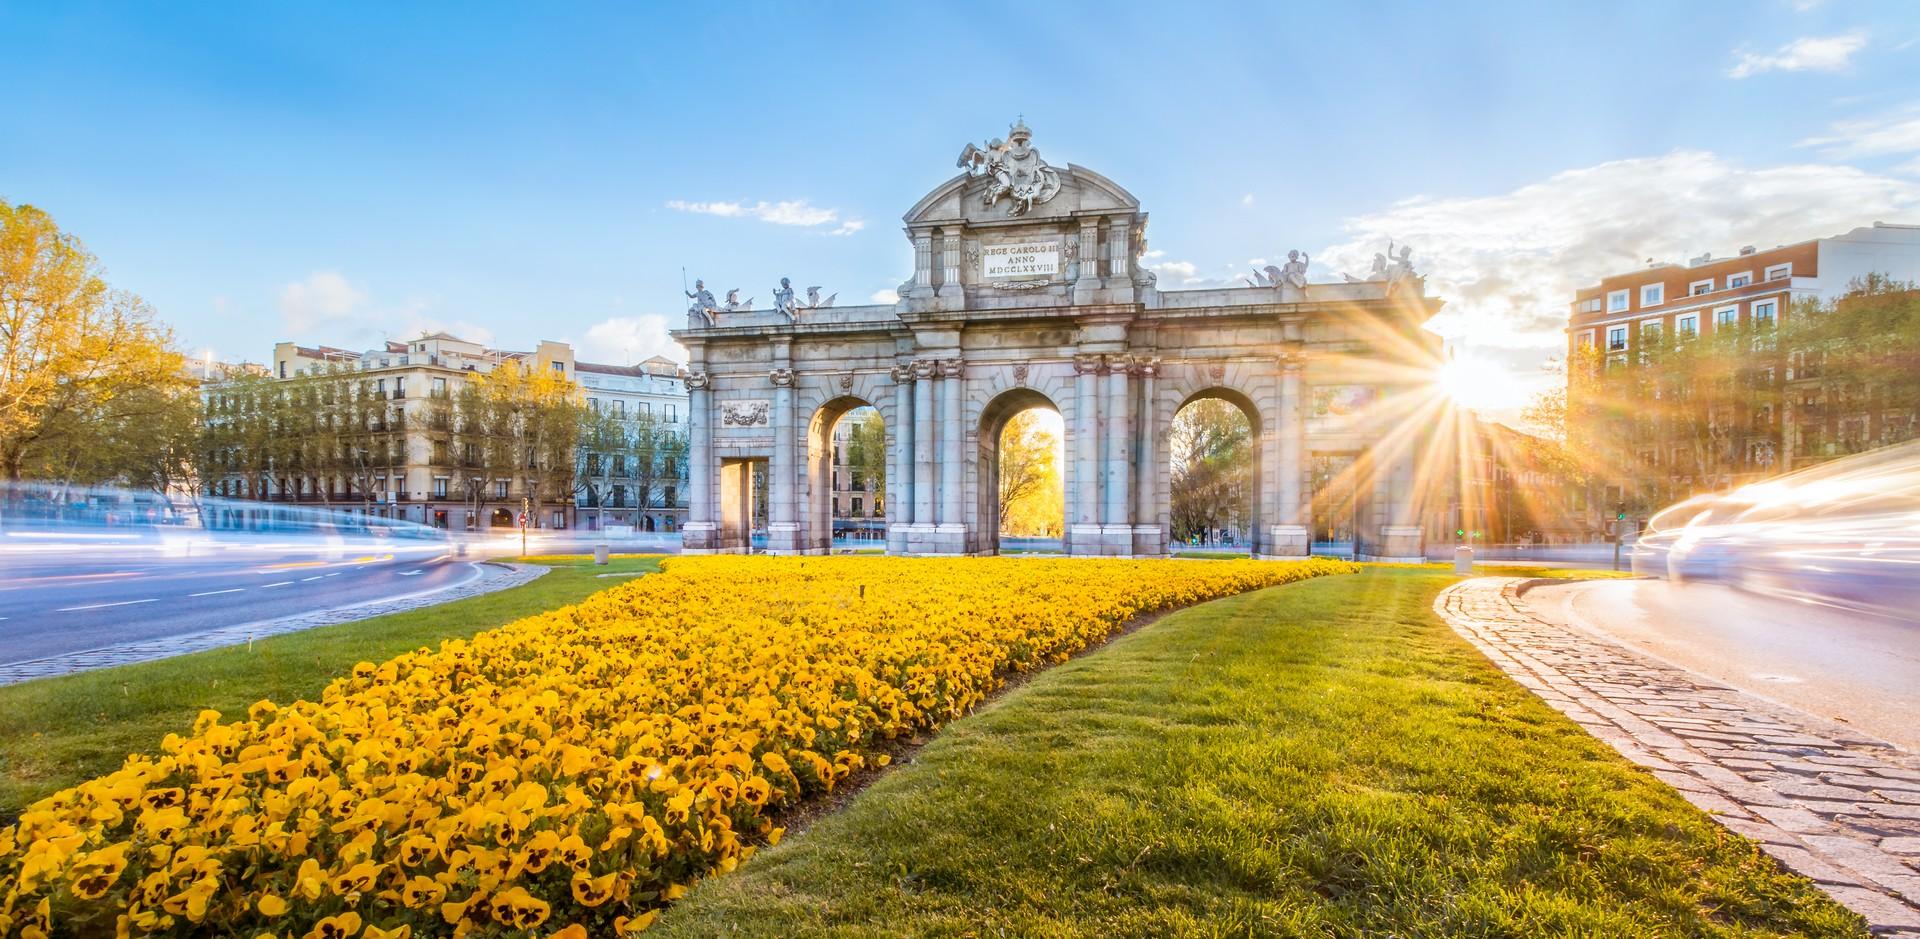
(1015, 169)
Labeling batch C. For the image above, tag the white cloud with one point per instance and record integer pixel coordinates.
(1168, 270)
(1806, 54)
(324, 296)
(624, 340)
(1508, 264)
(1247, 199)
(796, 212)
(885, 296)
(1867, 137)
(1909, 168)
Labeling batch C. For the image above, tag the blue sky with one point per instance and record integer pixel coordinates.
(329, 173)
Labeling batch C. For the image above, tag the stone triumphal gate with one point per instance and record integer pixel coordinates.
(1028, 290)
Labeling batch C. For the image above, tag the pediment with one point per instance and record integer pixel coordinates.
(961, 199)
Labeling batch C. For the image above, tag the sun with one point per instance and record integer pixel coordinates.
(1477, 383)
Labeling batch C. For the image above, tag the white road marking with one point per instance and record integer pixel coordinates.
(314, 577)
(410, 573)
(280, 584)
(334, 574)
(102, 606)
(210, 593)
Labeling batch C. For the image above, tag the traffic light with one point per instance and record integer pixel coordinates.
(1620, 512)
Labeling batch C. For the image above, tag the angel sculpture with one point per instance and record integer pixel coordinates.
(1015, 168)
(1268, 276)
(815, 303)
(783, 298)
(734, 303)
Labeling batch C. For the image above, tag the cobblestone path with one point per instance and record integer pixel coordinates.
(1830, 803)
(494, 576)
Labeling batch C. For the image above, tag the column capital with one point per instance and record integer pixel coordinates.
(1087, 364)
(698, 381)
(782, 377)
(901, 374)
(1123, 364)
(923, 369)
(1146, 366)
(952, 368)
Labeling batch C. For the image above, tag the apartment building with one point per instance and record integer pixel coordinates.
(1656, 434)
(408, 467)
(643, 486)
(859, 509)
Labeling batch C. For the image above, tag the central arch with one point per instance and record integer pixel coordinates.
(993, 421)
(1258, 486)
(817, 534)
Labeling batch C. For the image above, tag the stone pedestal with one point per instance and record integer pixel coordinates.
(1149, 541)
(1116, 541)
(1288, 541)
(699, 538)
(1083, 540)
(785, 538)
(1400, 544)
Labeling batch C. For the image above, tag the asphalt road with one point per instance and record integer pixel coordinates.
(1861, 670)
(60, 603)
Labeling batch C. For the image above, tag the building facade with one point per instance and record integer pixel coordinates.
(402, 461)
(1678, 383)
(640, 486)
(1028, 291)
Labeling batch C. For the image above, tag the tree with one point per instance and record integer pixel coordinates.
(1212, 486)
(515, 423)
(69, 345)
(602, 437)
(1032, 499)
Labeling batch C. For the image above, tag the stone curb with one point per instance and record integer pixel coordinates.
(496, 575)
(1838, 807)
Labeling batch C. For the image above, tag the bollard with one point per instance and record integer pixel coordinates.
(600, 554)
(1463, 560)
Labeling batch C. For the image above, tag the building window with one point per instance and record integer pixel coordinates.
(673, 414)
(1653, 294)
(559, 368)
(439, 487)
(593, 405)
(1649, 330)
(1617, 301)
(1586, 339)
(1726, 317)
(1616, 338)
(439, 387)
(1700, 286)
(620, 410)
(1763, 313)
(1590, 305)
(1688, 326)
(559, 517)
(500, 489)
(646, 409)
(856, 506)
(399, 387)
(1780, 271)
(1737, 281)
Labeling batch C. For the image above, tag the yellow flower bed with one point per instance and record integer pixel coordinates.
(576, 769)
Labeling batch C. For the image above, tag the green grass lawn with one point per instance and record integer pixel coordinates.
(1321, 759)
(55, 732)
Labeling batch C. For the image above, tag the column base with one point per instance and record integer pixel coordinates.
(699, 538)
(1400, 544)
(1149, 541)
(784, 538)
(1288, 541)
(1116, 541)
(1083, 541)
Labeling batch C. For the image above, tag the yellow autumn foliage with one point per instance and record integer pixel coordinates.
(579, 768)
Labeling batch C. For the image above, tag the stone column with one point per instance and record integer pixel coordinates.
(1086, 455)
(1119, 246)
(923, 261)
(700, 534)
(1289, 535)
(783, 524)
(1089, 260)
(900, 471)
(1146, 478)
(950, 263)
(923, 453)
(1117, 434)
(953, 464)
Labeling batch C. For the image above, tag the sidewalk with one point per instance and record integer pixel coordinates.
(1834, 805)
(496, 575)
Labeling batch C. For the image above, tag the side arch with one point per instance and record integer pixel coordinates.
(817, 517)
(1255, 394)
